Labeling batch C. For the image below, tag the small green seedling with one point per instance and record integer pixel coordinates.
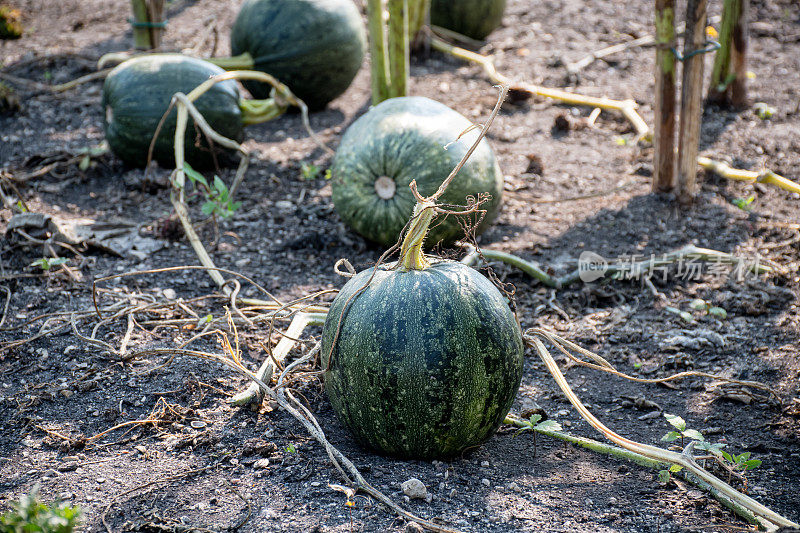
(30, 514)
(218, 197)
(732, 463)
(744, 203)
(291, 448)
(46, 263)
(704, 306)
(328, 174)
(309, 170)
(535, 423)
(763, 110)
(741, 462)
(685, 315)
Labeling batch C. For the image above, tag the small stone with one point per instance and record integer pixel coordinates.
(198, 424)
(141, 449)
(513, 486)
(429, 497)
(414, 488)
(284, 205)
(413, 527)
(485, 464)
(316, 484)
(262, 463)
(69, 349)
(612, 501)
(66, 496)
(101, 480)
(170, 294)
(485, 482)
(66, 393)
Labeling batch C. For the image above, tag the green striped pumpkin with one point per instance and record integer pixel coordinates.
(315, 47)
(421, 363)
(473, 18)
(404, 139)
(137, 93)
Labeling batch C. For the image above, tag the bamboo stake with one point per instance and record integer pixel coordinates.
(398, 48)
(148, 23)
(691, 101)
(664, 163)
(739, 56)
(379, 62)
(729, 76)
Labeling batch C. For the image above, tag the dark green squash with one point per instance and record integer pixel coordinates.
(315, 47)
(400, 140)
(426, 363)
(137, 93)
(473, 18)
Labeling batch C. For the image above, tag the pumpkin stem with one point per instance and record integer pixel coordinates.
(241, 62)
(258, 111)
(411, 255)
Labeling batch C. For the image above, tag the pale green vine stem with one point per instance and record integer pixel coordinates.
(659, 454)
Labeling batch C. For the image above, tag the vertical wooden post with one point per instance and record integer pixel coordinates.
(691, 100)
(739, 55)
(148, 23)
(399, 50)
(664, 159)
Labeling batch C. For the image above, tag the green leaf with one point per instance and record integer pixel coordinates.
(743, 203)
(664, 476)
(85, 162)
(291, 448)
(671, 436)
(693, 434)
(209, 208)
(193, 175)
(751, 464)
(534, 419)
(675, 468)
(220, 187)
(548, 425)
(675, 421)
(718, 312)
(727, 456)
(328, 174)
(744, 456)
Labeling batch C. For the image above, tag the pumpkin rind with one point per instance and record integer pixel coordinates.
(315, 47)
(473, 18)
(426, 363)
(138, 92)
(404, 139)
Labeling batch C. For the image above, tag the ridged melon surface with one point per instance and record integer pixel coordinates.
(404, 139)
(473, 18)
(137, 93)
(315, 47)
(426, 363)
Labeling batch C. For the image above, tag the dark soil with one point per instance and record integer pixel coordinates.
(287, 237)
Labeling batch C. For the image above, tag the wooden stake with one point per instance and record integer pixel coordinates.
(729, 76)
(664, 164)
(739, 56)
(148, 18)
(377, 51)
(398, 48)
(691, 101)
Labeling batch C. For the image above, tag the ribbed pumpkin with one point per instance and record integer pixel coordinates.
(473, 18)
(421, 363)
(137, 93)
(400, 140)
(315, 47)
